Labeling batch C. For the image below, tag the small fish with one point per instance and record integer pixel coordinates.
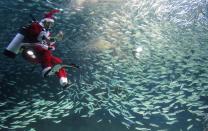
(189, 119)
(99, 120)
(139, 123)
(142, 129)
(57, 121)
(126, 124)
(84, 115)
(154, 125)
(203, 107)
(189, 127)
(111, 113)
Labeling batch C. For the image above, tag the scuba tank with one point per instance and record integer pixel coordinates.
(14, 46)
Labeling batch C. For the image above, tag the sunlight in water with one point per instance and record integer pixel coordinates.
(138, 51)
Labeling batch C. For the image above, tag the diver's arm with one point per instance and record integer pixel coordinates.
(52, 40)
(51, 46)
(58, 37)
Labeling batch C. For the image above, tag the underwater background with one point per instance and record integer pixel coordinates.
(143, 67)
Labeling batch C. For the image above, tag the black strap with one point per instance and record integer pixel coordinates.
(74, 65)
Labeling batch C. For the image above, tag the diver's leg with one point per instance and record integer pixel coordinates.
(46, 63)
(62, 74)
(44, 59)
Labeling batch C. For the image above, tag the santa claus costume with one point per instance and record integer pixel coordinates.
(38, 34)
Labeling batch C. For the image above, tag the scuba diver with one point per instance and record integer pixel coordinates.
(35, 43)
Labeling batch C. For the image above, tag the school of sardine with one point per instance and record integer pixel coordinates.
(144, 62)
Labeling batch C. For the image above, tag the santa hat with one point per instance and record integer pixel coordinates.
(48, 17)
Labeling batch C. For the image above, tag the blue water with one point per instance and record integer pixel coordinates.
(148, 59)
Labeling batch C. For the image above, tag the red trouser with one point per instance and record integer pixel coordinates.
(46, 59)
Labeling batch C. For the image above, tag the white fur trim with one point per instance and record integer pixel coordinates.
(45, 70)
(44, 46)
(63, 81)
(47, 20)
(15, 44)
(41, 22)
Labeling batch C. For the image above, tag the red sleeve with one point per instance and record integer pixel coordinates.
(31, 32)
(35, 29)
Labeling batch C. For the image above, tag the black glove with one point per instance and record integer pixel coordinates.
(74, 65)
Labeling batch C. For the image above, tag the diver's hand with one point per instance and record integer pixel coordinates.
(51, 48)
(60, 36)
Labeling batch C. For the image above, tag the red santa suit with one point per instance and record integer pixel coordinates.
(47, 61)
(36, 33)
(31, 33)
